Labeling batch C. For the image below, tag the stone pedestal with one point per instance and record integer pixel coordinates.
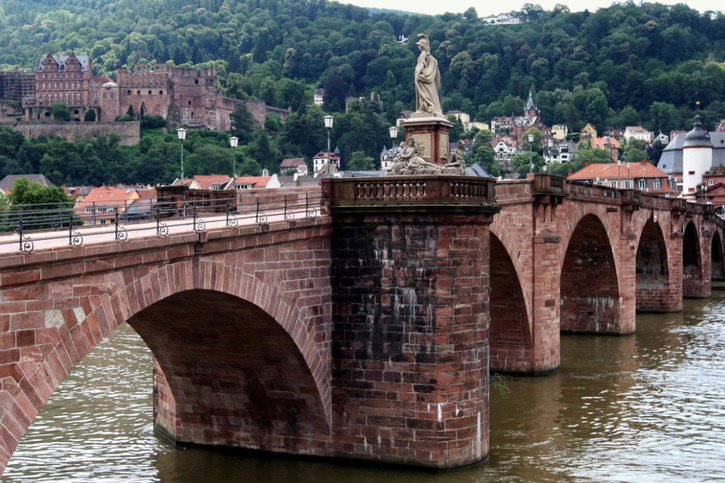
(410, 318)
(431, 136)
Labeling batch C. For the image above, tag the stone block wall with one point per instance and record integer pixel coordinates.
(129, 132)
(410, 337)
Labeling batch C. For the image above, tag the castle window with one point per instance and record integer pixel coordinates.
(138, 93)
(189, 102)
(196, 81)
(149, 92)
(192, 114)
(128, 92)
(161, 93)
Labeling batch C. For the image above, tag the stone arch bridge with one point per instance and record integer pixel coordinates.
(365, 332)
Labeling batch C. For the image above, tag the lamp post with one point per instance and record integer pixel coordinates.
(329, 120)
(393, 130)
(181, 132)
(531, 152)
(619, 173)
(233, 141)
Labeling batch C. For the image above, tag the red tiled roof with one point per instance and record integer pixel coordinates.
(206, 181)
(109, 195)
(255, 181)
(613, 171)
(147, 194)
(600, 143)
(325, 155)
(292, 162)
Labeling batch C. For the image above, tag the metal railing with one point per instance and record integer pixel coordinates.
(62, 224)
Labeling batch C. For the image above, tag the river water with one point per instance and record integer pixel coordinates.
(648, 407)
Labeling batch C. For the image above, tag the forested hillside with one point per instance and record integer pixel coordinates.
(620, 65)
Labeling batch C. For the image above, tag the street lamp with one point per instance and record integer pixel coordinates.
(619, 173)
(531, 152)
(233, 141)
(393, 130)
(329, 120)
(181, 132)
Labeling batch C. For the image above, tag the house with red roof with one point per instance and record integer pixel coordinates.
(101, 204)
(607, 143)
(641, 176)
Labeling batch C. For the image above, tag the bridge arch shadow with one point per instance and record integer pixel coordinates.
(510, 334)
(718, 268)
(589, 282)
(692, 276)
(652, 269)
(230, 370)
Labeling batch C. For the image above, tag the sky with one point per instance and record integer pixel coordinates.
(488, 7)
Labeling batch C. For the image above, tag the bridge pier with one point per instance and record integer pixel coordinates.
(410, 285)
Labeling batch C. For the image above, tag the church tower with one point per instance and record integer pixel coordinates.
(530, 111)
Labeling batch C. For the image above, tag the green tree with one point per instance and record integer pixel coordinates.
(29, 192)
(522, 164)
(60, 112)
(250, 167)
(242, 123)
(359, 161)
(664, 117)
(589, 155)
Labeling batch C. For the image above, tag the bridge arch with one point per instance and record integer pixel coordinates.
(718, 268)
(589, 285)
(692, 261)
(510, 329)
(237, 363)
(652, 269)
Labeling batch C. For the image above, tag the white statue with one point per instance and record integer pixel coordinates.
(427, 80)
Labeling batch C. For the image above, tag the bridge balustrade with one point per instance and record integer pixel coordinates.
(56, 224)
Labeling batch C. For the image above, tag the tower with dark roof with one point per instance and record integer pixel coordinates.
(696, 157)
(531, 110)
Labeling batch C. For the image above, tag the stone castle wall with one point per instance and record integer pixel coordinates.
(129, 132)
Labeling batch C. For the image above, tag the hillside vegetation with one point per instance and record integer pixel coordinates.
(623, 65)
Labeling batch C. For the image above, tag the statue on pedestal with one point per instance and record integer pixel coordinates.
(456, 164)
(409, 162)
(427, 80)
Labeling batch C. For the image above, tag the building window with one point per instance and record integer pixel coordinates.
(128, 92)
(161, 93)
(628, 185)
(149, 92)
(613, 184)
(99, 210)
(656, 184)
(691, 172)
(89, 210)
(109, 210)
(710, 182)
(642, 184)
(196, 81)
(138, 93)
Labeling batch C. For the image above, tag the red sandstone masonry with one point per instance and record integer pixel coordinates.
(410, 337)
(58, 304)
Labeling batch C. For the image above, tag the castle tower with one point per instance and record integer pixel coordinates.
(696, 158)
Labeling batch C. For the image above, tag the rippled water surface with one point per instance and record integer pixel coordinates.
(649, 407)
